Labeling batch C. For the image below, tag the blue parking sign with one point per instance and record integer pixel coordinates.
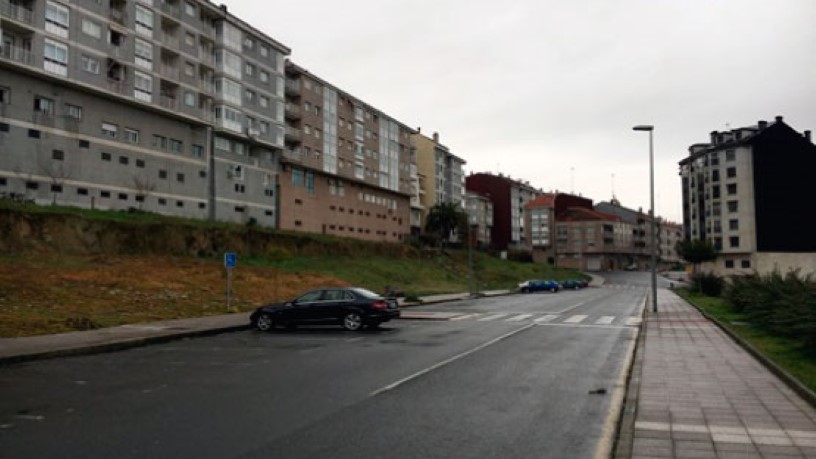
(230, 260)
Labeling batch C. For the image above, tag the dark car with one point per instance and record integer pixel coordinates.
(574, 284)
(538, 285)
(350, 307)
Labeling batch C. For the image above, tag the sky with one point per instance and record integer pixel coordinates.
(548, 91)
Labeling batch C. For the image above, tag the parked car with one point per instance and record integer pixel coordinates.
(574, 284)
(351, 307)
(538, 285)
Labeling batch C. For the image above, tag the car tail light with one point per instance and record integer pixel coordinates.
(380, 305)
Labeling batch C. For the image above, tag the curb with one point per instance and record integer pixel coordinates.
(626, 422)
(116, 346)
(808, 395)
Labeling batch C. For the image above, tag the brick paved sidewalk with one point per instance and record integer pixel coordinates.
(703, 396)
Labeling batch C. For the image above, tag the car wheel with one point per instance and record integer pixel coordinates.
(554, 289)
(352, 321)
(265, 322)
(525, 290)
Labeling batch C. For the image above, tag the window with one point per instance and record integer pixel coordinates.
(144, 54)
(57, 155)
(4, 127)
(140, 163)
(84, 144)
(189, 69)
(732, 206)
(249, 69)
(189, 8)
(106, 156)
(73, 111)
(55, 57)
(90, 64)
(745, 264)
(131, 135)
(91, 28)
(109, 130)
(123, 196)
(733, 241)
(732, 188)
(176, 146)
(144, 21)
(159, 142)
(729, 264)
(264, 76)
(731, 172)
(263, 101)
(82, 191)
(124, 160)
(56, 19)
(715, 175)
(5, 95)
(730, 155)
(162, 174)
(231, 35)
(189, 98)
(249, 43)
(715, 192)
(56, 188)
(264, 51)
(230, 63)
(733, 225)
(229, 90)
(180, 178)
(198, 151)
(44, 105)
(250, 96)
(189, 39)
(142, 86)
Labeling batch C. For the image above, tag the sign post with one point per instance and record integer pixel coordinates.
(230, 260)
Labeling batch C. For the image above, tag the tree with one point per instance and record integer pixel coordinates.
(696, 251)
(446, 219)
(143, 186)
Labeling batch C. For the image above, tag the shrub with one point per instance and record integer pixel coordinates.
(708, 284)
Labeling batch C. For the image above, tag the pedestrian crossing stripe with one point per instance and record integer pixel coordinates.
(555, 319)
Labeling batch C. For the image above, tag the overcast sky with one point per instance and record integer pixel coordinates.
(548, 91)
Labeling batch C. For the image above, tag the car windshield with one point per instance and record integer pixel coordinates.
(365, 293)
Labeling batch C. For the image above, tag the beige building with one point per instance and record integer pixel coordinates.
(347, 167)
(480, 217)
(441, 172)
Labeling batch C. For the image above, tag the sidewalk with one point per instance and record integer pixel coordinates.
(695, 393)
(13, 350)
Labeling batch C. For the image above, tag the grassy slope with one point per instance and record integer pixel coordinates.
(43, 290)
(786, 353)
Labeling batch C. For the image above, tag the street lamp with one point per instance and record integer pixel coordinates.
(650, 129)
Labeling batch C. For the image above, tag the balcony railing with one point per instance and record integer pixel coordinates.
(17, 54)
(117, 86)
(293, 133)
(206, 86)
(168, 102)
(292, 111)
(170, 9)
(293, 87)
(117, 16)
(16, 12)
(169, 71)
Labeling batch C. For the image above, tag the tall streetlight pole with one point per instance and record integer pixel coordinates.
(653, 245)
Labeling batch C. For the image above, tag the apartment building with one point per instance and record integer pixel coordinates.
(668, 235)
(442, 170)
(480, 218)
(173, 106)
(347, 167)
(508, 197)
(747, 191)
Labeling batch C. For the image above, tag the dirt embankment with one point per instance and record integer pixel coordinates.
(64, 272)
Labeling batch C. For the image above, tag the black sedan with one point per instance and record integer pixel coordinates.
(350, 307)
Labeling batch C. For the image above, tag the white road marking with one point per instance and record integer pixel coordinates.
(456, 357)
(465, 316)
(545, 319)
(491, 317)
(519, 318)
(577, 319)
(605, 320)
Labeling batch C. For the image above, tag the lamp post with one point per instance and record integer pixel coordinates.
(650, 130)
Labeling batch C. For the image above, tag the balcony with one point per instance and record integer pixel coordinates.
(169, 71)
(17, 13)
(117, 17)
(294, 154)
(17, 54)
(171, 9)
(116, 86)
(206, 86)
(168, 102)
(292, 87)
(292, 112)
(293, 134)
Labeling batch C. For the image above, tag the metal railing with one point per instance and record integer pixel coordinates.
(16, 12)
(17, 54)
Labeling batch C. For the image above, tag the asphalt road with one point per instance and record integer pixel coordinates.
(506, 377)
